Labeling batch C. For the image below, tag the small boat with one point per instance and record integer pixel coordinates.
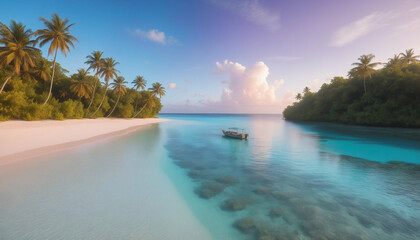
(238, 133)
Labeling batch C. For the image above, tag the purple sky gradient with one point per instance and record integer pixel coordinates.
(300, 43)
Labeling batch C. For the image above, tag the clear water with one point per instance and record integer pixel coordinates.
(327, 181)
(183, 180)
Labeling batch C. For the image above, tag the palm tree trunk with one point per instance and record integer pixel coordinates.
(140, 110)
(102, 101)
(135, 107)
(364, 82)
(52, 77)
(118, 99)
(93, 94)
(7, 79)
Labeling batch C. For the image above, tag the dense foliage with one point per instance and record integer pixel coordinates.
(392, 96)
(34, 88)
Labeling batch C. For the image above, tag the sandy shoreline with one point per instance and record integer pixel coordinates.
(21, 140)
(104, 191)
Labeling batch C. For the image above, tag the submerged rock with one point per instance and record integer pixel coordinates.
(227, 180)
(322, 235)
(361, 217)
(281, 196)
(264, 230)
(287, 234)
(262, 190)
(195, 174)
(210, 189)
(332, 206)
(307, 212)
(185, 164)
(235, 204)
(266, 237)
(275, 212)
(318, 229)
(244, 224)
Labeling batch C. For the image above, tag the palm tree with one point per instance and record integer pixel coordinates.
(408, 57)
(365, 67)
(148, 102)
(139, 82)
(394, 60)
(306, 91)
(18, 50)
(80, 84)
(95, 63)
(108, 71)
(157, 89)
(119, 86)
(57, 32)
(42, 69)
(298, 97)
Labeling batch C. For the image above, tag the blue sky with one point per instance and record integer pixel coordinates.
(273, 48)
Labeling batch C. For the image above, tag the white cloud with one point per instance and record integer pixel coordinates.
(248, 89)
(252, 10)
(155, 36)
(172, 86)
(360, 28)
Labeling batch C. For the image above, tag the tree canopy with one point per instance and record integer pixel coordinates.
(25, 75)
(392, 98)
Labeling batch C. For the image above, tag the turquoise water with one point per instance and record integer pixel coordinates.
(297, 181)
(183, 180)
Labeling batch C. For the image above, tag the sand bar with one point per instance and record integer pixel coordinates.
(30, 139)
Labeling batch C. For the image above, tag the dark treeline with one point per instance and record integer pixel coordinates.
(34, 88)
(387, 97)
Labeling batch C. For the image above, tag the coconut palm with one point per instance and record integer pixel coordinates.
(306, 91)
(107, 71)
(18, 50)
(94, 60)
(118, 86)
(364, 68)
(149, 102)
(409, 57)
(80, 85)
(157, 89)
(139, 82)
(298, 97)
(394, 60)
(57, 32)
(42, 69)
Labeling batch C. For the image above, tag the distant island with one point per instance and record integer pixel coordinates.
(388, 97)
(35, 88)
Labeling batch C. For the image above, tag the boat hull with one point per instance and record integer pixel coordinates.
(235, 135)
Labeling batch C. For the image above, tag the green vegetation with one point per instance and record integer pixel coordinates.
(34, 88)
(389, 96)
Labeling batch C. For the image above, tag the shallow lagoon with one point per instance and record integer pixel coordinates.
(298, 181)
(184, 180)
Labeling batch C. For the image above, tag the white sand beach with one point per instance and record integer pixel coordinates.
(67, 199)
(30, 139)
